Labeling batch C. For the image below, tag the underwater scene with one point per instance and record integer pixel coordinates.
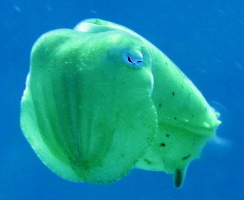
(133, 100)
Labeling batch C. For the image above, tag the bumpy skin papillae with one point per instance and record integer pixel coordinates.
(100, 100)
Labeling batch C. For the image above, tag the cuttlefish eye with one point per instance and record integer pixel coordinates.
(133, 58)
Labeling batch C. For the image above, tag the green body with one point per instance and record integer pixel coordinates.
(101, 100)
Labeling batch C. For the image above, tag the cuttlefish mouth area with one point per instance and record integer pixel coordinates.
(202, 127)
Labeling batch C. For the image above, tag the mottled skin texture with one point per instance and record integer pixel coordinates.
(101, 100)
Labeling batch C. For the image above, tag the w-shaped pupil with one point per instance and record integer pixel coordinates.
(131, 61)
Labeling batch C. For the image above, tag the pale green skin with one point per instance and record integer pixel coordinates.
(91, 115)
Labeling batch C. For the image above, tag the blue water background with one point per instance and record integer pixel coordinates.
(204, 38)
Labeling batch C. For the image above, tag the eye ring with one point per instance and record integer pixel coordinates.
(133, 58)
